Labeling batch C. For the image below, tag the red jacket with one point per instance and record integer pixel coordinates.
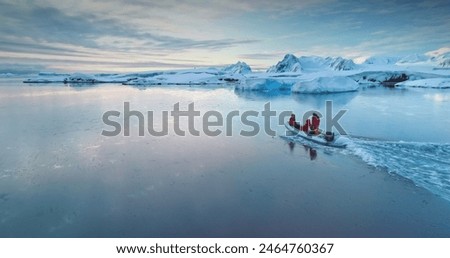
(305, 127)
(292, 121)
(315, 123)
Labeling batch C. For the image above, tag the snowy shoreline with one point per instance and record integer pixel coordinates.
(299, 75)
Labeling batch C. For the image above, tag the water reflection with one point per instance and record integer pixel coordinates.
(318, 100)
(308, 150)
(261, 95)
(313, 100)
(81, 86)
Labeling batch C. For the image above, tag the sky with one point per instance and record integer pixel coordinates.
(140, 35)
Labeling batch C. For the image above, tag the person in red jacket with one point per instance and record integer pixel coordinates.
(306, 126)
(315, 123)
(293, 123)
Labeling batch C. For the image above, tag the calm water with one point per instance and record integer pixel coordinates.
(60, 177)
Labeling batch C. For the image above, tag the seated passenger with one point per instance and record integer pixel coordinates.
(293, 123)
(315, 123)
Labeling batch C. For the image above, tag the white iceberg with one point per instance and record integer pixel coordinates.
(326, 85)
(266, 84)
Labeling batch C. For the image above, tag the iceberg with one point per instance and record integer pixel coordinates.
(266, 84)
(326, 85)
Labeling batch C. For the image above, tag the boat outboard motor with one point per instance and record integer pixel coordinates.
(329, 136)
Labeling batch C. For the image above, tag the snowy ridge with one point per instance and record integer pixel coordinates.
(341, 64)
(381, 60)
(237, 68)
(415, 58)
(291, 63)
(433, 59)
(445, 63)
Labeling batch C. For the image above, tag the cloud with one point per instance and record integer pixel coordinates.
(20, 68)
(49, 24)
(262, 56)
(160, 33)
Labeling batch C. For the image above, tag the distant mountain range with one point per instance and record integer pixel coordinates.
(237, 68)
(291, 63)
(436, 60)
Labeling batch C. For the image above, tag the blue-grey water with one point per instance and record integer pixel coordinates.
(60, 177)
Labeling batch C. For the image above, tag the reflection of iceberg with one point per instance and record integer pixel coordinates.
(261, 95)
(318, 100)
(80, 86)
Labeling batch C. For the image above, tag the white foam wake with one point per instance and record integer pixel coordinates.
(426, 164)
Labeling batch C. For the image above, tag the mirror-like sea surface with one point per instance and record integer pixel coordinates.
(60, 177)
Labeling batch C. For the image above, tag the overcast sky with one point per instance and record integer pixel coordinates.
(139, 35)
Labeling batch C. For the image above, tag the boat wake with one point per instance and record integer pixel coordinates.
(426, 164)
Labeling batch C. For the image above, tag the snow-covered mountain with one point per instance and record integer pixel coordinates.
(442, 59)
(436, 59)
(291, 63)
(381, 60)
(340, 64)
(237, 68)
(445, 63)
(415, 58)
